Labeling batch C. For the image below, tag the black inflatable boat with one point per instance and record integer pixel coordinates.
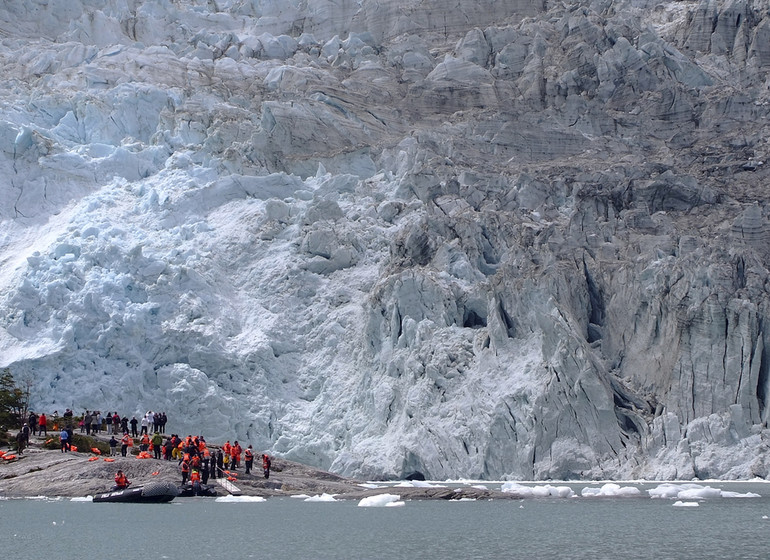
(150, 493)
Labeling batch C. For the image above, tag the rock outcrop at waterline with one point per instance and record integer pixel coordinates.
(521, 240)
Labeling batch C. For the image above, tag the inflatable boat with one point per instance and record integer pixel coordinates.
(150, 493)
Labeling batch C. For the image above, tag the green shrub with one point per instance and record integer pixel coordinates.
(83, 443)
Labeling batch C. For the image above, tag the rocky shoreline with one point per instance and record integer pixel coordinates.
(45, 472)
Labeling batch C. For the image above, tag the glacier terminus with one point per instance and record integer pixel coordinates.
(495, 240)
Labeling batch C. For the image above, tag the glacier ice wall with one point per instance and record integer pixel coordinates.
(505, 240)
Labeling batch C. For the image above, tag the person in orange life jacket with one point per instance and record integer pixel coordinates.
(248, 457)
(266, 462)
(195, 480)
(125, 443)
(144, 443)
(185, 467)
(235, 453)
(121, 482)
(195, 462)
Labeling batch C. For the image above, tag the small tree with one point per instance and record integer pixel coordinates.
(14, 401)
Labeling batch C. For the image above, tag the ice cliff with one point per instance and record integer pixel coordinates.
(518, 239)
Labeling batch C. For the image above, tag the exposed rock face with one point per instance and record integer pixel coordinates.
(513, 240)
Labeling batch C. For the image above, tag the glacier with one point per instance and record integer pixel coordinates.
(485, 240)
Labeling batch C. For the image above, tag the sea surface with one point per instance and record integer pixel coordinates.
(292, 528)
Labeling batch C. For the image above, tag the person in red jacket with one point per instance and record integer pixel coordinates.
(121, 482)
(42, 424)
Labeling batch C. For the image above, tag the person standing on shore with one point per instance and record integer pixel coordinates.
(134, 422)
(235, 453)
(42, 424)
(25, 431)
(157, 443)
(220, 462)
(266, 462)
(32, 421)
(185, 468)
(87, 419)
(248, 457)
(20, 441)
(64, 440)
(113, 446)
(124, 444)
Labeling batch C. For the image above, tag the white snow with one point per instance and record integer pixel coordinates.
(680, 503)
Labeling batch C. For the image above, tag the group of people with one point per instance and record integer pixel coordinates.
(92, 422)
(197, 463)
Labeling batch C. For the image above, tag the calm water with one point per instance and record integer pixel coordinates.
(579, 528)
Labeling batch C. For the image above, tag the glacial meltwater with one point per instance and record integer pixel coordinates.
(721, 520)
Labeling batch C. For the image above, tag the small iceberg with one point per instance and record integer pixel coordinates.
(322, 498)
(240, 499)
(381, 500)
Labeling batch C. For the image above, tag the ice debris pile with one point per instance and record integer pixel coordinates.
(489, 240)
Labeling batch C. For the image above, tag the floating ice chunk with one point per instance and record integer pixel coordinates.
(729, 494)
(680, 503)
(370, 485)
(544, 491)
(82, 499)
(665, 491)
(322, 498)
(395, 504)
(691, 491)
(610, 490)
(303, 496)
(699, 492)
(240, 499)
(380, 500)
